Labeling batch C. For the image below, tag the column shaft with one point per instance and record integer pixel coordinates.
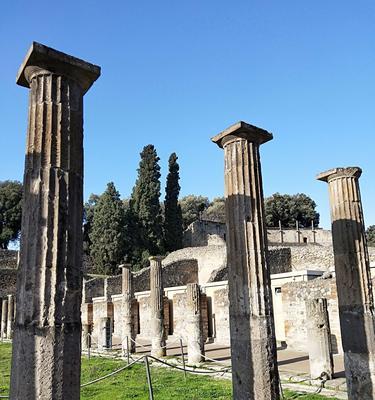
(353, 280)
(157, 307)
(128, 331)
(10, 324)
(253, 343)
(4, 318)
(194, 327)
(49, 281)
(319, 339)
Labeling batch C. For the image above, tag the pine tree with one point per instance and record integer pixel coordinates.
(172, 212)
(145, 210)
(107, 234)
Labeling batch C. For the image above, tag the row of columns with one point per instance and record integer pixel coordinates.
(49, 283)
(7, 313)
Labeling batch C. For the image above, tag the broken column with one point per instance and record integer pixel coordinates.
(194, 333)
(353, 280)
(49, 281)
(85, 336)
(253, 344)
(10, 323)
(157, 307)
(4, 318)
(128, 331)
(319, 339)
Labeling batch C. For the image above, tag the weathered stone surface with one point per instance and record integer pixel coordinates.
(128, 331)
(253, 344)
(47, 331)
(157, 308)
(319, 339)
(195, 332)
(354, 286)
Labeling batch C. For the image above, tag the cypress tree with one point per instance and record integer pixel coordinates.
(147, 234)
(173, 214)
(107, 234)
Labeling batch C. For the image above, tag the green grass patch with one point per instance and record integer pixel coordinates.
(132, 383)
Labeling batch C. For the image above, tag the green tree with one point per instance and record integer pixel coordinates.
(172, 210)
(216, 210)
(144, 215)
(107, 235)
(88, 215)
(290, 208)
(10, 212)
(370, 234)
(192, 208)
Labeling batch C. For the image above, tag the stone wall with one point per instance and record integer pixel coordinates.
(294, 296)
(221, 317)
(8, 278)
(93, 287)
(8, 259)
(112, 285)
(319, 236)
(197, 234)
(145, 316)
(312, 256)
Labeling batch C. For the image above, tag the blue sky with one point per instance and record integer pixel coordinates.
(176, 73)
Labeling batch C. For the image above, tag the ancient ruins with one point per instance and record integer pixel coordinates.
(237, 284)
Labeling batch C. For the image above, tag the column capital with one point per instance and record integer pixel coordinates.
(43, 59)
(125, 265)
(156, 258)
(242, 130)
(334, 173)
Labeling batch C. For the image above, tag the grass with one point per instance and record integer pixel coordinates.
(132, 383)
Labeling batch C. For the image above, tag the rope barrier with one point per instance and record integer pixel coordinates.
(111, 374)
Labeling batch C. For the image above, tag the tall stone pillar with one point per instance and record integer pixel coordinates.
(10, 324)
(4, 318)
(85, 336)
(253, 344)
(319, 339)
(353, 280)
(194, 326)
(47, 332)
(128, 331)
(157, 307)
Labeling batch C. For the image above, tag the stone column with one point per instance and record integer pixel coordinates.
(104, 339)
(353, 280)
(4, 318)
(49, 281)
(253, 344)
(128, 331)
(157, 307)
(85, 336)
(319, 339)
(10, 324)
(194, 326)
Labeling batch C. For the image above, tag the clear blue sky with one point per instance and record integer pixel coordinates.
(175, 73)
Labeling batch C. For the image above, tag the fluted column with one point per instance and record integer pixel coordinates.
(353, 280)
(128, 331)
(47, 330)
(319, 339)
(194, 325)
(4, 318)
(157, 307)
(253, 344)
(10, 324)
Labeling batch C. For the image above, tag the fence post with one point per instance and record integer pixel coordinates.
(127, 349)
(150, 393)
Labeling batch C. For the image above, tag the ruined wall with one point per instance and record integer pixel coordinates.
(93, 287)
(180, 324)
(320, 236)
(144, 306)
(197, 234)
(221, 316)
(112, 285)
(294, 296)
(8, 278)
(8, 259)
(312, 256)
